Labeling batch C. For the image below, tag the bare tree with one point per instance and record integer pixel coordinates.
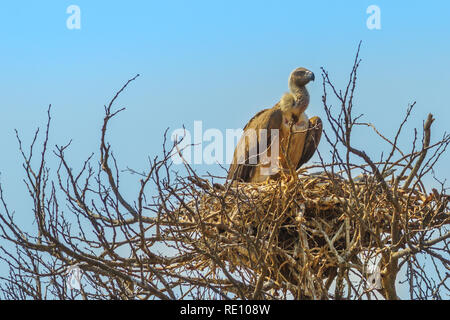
(343, 233)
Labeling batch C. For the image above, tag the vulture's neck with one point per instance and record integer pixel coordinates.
(301, 98)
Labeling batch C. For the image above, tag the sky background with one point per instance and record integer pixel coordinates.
(215, 61)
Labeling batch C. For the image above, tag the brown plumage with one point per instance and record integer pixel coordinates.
(297, 136)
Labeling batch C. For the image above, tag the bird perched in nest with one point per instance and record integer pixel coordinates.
(296, 134)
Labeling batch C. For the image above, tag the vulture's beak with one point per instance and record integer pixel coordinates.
(311, 76)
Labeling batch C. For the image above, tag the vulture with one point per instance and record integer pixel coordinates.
(281, 138)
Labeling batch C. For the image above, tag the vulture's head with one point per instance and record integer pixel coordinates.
(300, 77)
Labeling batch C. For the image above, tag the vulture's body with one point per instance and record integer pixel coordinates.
(286, 123)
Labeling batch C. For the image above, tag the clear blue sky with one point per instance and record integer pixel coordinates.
(215, 61)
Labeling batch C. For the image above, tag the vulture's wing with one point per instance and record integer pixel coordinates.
(243, 167)
(312, 140)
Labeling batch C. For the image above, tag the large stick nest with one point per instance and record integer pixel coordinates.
(292, 228)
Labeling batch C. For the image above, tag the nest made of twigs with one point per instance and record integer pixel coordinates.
(310, 224)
